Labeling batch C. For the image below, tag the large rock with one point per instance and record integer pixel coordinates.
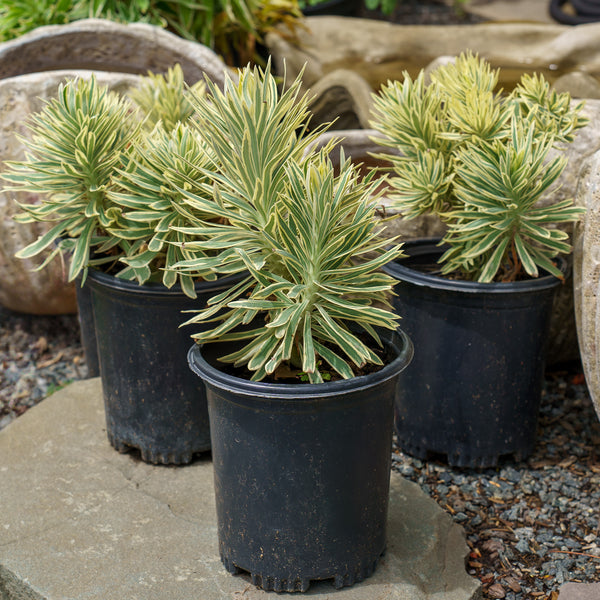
(586, 276)
(31, 67)
(79, 520)
(579, 591)
(379, 51)
(563, 344)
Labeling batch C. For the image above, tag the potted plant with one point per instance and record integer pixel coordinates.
(109, 181)
(477, 302)
(302, 357)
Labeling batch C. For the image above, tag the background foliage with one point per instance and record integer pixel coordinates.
(233, 28)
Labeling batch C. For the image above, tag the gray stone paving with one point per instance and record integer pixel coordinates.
(81, 521)
(579, 591)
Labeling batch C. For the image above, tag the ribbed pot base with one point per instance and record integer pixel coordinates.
(458, 459)
(277, 583)
(153, 456)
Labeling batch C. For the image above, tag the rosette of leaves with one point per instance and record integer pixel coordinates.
(148, 192)
(307, 237)
(115, 198)
(481, 160)
(165, 98)
(78, 141)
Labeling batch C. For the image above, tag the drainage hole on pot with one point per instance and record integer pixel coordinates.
(301, 584)
(275, 584)
(151, 456)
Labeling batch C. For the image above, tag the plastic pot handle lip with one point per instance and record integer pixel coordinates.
(416, 277)
(300, 391)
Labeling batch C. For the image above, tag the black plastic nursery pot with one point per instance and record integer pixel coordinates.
(85, 314)
(152, 401)
(302, 471)
(346, 8)
(473, 391)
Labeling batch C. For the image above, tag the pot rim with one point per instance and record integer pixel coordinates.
(425, 246)
(98, 278)
(304, 391)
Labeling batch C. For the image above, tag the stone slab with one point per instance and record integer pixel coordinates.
(535, 11)
(579, 591)
(80, 521)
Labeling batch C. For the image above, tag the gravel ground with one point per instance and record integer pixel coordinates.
(533, 525)
(530, 526)
(38, 355)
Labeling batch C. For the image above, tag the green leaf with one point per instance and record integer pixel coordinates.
(43, 242)
(309, 361)
(81, 253)
(335, 361)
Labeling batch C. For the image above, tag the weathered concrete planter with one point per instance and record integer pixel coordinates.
(21, 288)
(378, 51)
(586, 276)
(102, 45)
(31, 67)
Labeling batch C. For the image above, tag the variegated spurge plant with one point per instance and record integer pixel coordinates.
(78, 141)
(480, 160)
(165, 98)
(306, 235)
(148, 194)
(109, 176)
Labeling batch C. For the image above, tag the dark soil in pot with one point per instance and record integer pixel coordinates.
(473, 391)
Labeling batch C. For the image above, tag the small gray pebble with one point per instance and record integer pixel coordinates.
(522, 546)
